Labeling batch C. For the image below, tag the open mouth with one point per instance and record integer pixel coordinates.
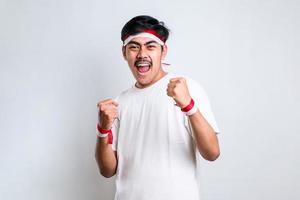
(143, 66)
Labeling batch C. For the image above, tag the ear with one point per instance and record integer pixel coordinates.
(164, 51)
(124, 52)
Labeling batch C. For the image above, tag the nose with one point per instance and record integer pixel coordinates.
(142, 53)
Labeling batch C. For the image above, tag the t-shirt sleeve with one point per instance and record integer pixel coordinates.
(115, 129)
(115, 132)
(202, 102)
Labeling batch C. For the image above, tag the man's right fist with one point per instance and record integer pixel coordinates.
(108, 112)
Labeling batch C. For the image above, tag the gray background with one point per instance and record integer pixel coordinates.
(59, 58)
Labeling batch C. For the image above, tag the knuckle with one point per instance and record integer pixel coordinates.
(103, 108)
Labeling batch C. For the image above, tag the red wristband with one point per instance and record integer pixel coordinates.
(104, 131)
(110, 137)
(101, 130)
(188, 107)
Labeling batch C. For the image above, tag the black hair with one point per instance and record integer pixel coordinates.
(144, 22)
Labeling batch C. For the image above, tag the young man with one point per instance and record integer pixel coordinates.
(150, 134)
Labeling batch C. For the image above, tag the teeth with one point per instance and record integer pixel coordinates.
(142, 64)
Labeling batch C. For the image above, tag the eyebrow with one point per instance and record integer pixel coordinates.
(149, 42)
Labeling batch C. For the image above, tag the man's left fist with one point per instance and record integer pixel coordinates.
(178, 90)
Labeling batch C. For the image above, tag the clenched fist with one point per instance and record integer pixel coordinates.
(178, 90)
(108, 112)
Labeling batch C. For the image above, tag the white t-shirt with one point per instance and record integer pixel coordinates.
(154, 143)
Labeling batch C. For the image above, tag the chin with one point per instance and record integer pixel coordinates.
(143, 83)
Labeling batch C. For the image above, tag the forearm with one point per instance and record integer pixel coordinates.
(105, 157)
(205, 136)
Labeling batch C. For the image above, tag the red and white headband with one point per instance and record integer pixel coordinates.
(148, 33)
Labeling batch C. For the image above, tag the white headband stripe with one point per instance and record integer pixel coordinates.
(148, 35)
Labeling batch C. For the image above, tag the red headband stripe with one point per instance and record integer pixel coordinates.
(151, 31)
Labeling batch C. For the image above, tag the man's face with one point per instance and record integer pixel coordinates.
(144, 57)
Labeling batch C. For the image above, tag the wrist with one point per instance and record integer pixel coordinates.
(102, 130)
(103, 133)
(190, 109)
(189, 106)
(184, 104)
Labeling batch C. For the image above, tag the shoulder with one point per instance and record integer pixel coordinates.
(195, 87)
(124, 94)
(194, 84)
(191, 82)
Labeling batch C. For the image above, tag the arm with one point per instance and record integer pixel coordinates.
(105, 156)
(205, 136)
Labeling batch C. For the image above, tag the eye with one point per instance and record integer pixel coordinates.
(133, 47)
(151, 46)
